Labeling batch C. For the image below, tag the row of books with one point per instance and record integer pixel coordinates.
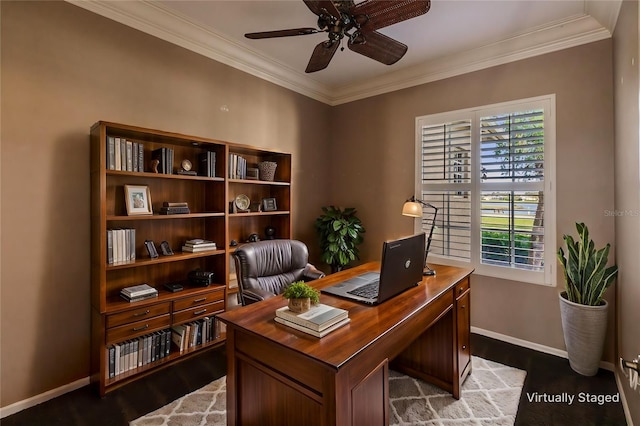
(195, 333)
(318, 321)
(237, 167)
(197, 245)
(165, 160)
(174, 208)
(124, 155)
(121, 246)
(207, 166)
(138, 292)
(134, 353)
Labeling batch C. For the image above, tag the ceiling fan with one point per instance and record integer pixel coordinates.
(358, 22)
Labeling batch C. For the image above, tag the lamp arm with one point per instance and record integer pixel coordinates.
(433, 225)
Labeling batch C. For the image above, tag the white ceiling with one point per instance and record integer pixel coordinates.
(454, 37)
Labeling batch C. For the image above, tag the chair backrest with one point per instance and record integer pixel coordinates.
(270, 265)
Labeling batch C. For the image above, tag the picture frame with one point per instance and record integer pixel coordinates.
(138, 200)
(269, 205)
(253, 173)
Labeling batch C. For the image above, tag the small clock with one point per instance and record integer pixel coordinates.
(186, 165)
(242, 202)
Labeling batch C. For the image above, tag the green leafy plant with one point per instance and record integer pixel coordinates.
(585, 268)
(301, 290)
(340, 233)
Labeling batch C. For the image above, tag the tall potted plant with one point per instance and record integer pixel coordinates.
(340, 233)
(582, 308)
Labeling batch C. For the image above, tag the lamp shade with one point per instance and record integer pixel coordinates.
(411, 208)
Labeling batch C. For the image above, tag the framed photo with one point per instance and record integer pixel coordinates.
(138, 200)
(253, 173)
(269, 205)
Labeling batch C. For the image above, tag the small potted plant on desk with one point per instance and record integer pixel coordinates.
(301, 295)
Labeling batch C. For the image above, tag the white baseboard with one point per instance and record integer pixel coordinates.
(535, 346)
(43, 397)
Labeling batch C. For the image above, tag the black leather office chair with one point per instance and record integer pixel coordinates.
(266, 268)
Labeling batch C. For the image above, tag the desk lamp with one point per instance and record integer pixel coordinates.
(413, 208)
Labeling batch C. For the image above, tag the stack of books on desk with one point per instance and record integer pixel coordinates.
(318, 321)
(197, 245)
(138, 293)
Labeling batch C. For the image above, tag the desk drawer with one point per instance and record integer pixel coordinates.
(462, 286)
(198, 312)
(139, 314)
(198, 300)
(139, 328)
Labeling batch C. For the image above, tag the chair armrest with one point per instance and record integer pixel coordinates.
(312, 273)
(256, 295)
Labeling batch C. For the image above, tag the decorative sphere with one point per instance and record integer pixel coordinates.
(270, 232)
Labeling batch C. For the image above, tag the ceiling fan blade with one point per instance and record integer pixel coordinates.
(379, 47)
(376, 14)
(319, 6)
(322, 55)
(282, 33)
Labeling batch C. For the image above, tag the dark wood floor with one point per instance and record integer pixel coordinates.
(546, 374)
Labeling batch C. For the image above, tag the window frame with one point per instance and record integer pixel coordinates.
(476, 186)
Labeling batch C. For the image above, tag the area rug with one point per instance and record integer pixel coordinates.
(490, 397)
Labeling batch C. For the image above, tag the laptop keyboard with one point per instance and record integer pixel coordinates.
(368, 291)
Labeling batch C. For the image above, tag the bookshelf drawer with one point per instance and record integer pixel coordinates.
(198, 312)
(139, 314)
(135, 329)
(199, 300)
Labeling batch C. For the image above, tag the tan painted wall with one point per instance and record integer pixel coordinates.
(626, 53)
(374, 170)
(63, 69)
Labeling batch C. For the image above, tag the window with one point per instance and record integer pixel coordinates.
(489, 171)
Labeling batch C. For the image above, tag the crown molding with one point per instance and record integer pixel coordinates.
(153, 19)
(605, 12)
(560, 35)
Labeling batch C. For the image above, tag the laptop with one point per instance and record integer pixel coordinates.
(401, 268)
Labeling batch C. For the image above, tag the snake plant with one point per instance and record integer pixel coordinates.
(585, 269)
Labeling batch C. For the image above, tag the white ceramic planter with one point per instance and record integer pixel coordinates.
(584, 330)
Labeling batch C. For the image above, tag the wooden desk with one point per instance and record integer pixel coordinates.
(280, 376)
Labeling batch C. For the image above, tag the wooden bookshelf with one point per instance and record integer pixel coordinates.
(211, 216)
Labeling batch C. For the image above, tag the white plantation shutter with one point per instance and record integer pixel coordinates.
(512, 189)
(489, 171)
(446, 168)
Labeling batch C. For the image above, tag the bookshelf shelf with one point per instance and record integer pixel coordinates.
(150, 175)
(164, 217)
(177, 257)
(258, 182)
(116, 322)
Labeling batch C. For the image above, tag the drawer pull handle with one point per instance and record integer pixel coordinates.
(463, 306)
(464, 347)
(138, 314)
(199, 300)
(144, 327)
(200, 312)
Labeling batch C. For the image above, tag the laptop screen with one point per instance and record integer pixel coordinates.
(401, 266)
